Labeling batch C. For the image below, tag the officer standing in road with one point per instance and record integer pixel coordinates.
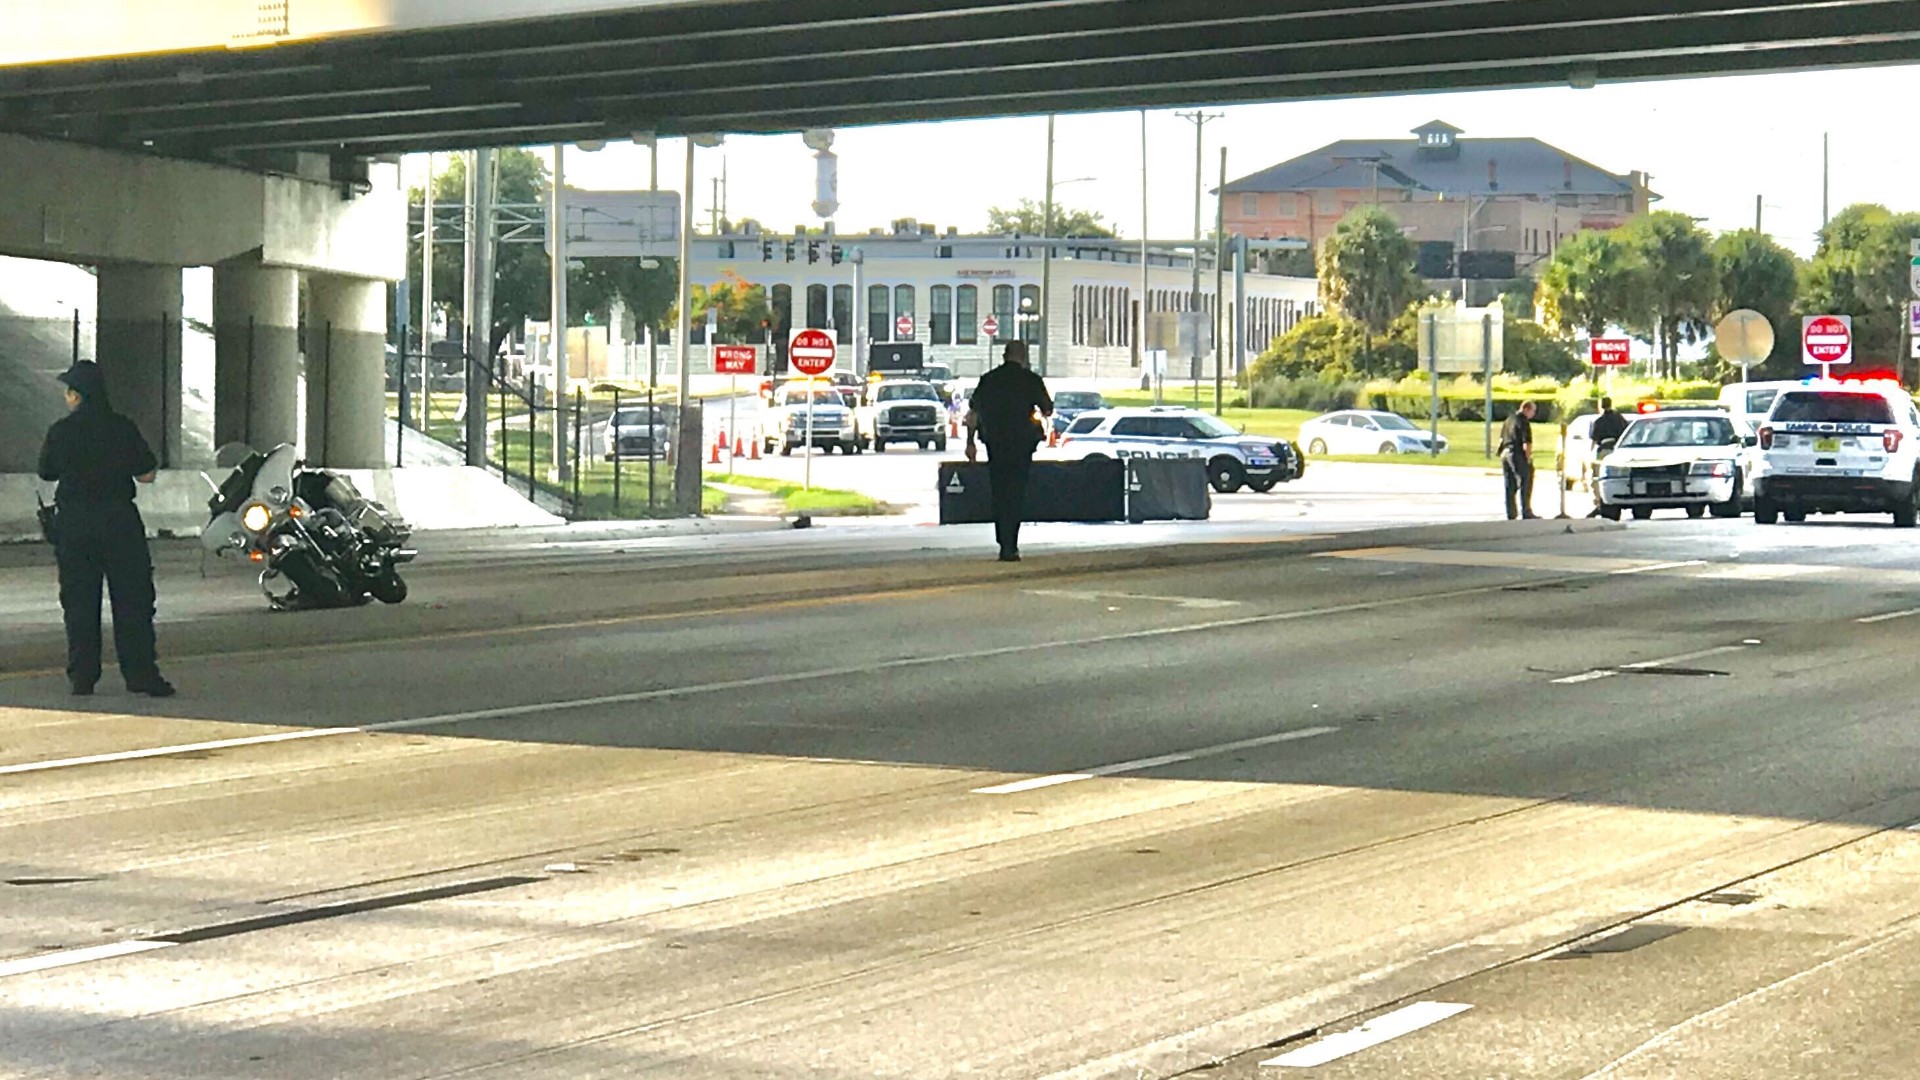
(1001, 411)
(1606, 429)
(96, 454)
(1516, 461)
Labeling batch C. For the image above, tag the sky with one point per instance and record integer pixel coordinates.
(1711, 146)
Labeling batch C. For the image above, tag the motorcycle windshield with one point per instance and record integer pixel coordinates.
(273, 484)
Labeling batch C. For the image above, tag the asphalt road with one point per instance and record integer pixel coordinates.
(1510, 801)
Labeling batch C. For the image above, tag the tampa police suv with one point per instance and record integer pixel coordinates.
(1233, 460)
(1829, 448)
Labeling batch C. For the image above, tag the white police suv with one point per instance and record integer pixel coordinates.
(1828, 448)
(1233, 460)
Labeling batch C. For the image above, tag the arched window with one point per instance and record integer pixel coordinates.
(903, 307)
(843, 314)
(879, 313)
(816, 307)
(1003, 311)
(940, 315)
(1030, 305)
(967, 315)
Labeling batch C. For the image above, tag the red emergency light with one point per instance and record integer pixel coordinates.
(1647, 407)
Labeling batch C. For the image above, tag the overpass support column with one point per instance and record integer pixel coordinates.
(346, 372)
(139, 349)
(256, 355)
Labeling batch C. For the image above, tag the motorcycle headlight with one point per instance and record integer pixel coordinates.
(256, 517)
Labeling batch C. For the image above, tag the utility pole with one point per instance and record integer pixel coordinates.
(1146, 281)
(1199, 120)
(1756, 211)
(1826, 177)
(480, 330)
(1219, 278)
(426, 298)
(1046, 257)
(562, 464)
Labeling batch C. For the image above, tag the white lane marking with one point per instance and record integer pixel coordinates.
(1380, 1029)
(69, 957)
(1139, 764)
(183, 748)
(758, 681)
(1201, 602)
(1654, 568)
(1889, 616)
(1642, 665)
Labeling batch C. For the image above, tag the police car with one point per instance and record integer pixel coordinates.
(1688, 459)
(1233, 460)
(1828, 448)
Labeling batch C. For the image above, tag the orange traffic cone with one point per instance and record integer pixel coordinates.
(953, 427)
(714, 457)
(739, 446)
(755, 454)
(1053, 435)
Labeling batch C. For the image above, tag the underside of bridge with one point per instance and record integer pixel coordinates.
(781, 65)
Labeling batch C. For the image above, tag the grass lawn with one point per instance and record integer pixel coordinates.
(826, 502)
(1465, 438)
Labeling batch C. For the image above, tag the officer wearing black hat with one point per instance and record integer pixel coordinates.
(96, 454)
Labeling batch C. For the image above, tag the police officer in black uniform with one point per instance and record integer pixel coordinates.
(96, 454)
(1001, 412)
(1516, 461)
(1606, 429)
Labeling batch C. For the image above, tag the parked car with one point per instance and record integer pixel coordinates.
(1696, 460)
(633, 433)
(1068, 405)
(1365, 431)
(1234, 460)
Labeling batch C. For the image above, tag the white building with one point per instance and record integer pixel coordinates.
(941, 291)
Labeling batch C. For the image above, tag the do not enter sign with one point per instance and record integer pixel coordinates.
(1827, 339)
(811, 352)
(991, 326)
(903, 328)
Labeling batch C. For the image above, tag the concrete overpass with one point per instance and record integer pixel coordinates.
(372, 78)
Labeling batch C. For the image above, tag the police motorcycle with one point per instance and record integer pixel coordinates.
(320, 543)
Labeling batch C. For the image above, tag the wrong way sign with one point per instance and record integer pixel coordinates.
(1826, 339)
(1612, 352)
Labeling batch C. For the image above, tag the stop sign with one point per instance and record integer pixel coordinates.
(1827, 339)
(811, 352)
(991, 326)
(903, 327)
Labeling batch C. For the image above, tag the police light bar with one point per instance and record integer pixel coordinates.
(1647, 407)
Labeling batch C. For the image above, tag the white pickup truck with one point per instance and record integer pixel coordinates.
(904, 411)
(784, 424)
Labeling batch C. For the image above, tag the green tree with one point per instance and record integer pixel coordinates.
(1366, 273)
(1861, 269)
(1320, 345)
(742, 308)
(1532, 351)
(1681, 282)
(1755, 272)
(1028, 218)
(1593, 281)
(597, 284)
(521, 288)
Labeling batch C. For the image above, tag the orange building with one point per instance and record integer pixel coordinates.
(1450, 194)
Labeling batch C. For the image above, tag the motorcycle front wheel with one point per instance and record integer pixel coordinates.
(389, 588)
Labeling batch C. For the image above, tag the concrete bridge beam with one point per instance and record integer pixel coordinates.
(256, 344)
(139, 350)
(346, 371)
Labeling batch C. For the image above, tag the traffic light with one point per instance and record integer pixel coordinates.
(835, 255)
(766, 251)
(813, 251)
(789, 251)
